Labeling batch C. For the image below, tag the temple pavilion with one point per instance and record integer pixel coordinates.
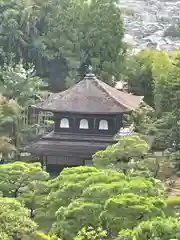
(87, 117)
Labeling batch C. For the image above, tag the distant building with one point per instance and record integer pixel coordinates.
(87, 117)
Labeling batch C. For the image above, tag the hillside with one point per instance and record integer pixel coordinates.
(154, 23)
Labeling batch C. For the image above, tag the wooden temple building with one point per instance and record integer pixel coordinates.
(87, 117)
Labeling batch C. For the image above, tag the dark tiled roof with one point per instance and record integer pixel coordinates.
(90, 96)
(65, 147)
(69, 144)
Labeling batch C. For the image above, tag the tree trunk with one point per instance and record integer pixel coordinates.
(15, 194)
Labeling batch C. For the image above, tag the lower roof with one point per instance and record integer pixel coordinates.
(67, 148)
(69, 144)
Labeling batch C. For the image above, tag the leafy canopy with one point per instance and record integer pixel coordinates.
(14, 218)
(159, 228)
(17, 176)
(121, 154)
(81, 197)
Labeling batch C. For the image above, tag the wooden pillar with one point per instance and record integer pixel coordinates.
(116, 124)
(41, 161)
(44, 162)
(119, 121)
(74, 127)
(95, 125)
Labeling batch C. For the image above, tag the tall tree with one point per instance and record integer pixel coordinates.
(166, 74)
(21, 85)
(9, 112)
(138, 73)
(69, 34)
(90, 32)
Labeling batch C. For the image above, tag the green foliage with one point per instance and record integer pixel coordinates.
(159, 228)
(9, 109)
(128, 210)
(91, 234)
(9, 112)
(166, 72)
(81, 41)
(155, 75)
(4, 236)
(120, 155)
(142, 117)
(42, 236)
(27, 182)
(165, 90)
(84, 202)
(78, 214)
(22, 85)
(34, 195)
(16, 177)
(173, 206)
(174, 157)
(14, 218)
(68, 34)
(138, 74)
(78, 199)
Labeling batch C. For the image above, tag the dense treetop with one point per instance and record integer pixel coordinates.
(62, 37)
(106, 201)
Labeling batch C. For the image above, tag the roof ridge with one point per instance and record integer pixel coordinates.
(112, 96)
(94, 93)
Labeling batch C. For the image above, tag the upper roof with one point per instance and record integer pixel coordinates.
(90, 96)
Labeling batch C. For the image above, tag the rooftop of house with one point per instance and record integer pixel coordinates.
(90, 96)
